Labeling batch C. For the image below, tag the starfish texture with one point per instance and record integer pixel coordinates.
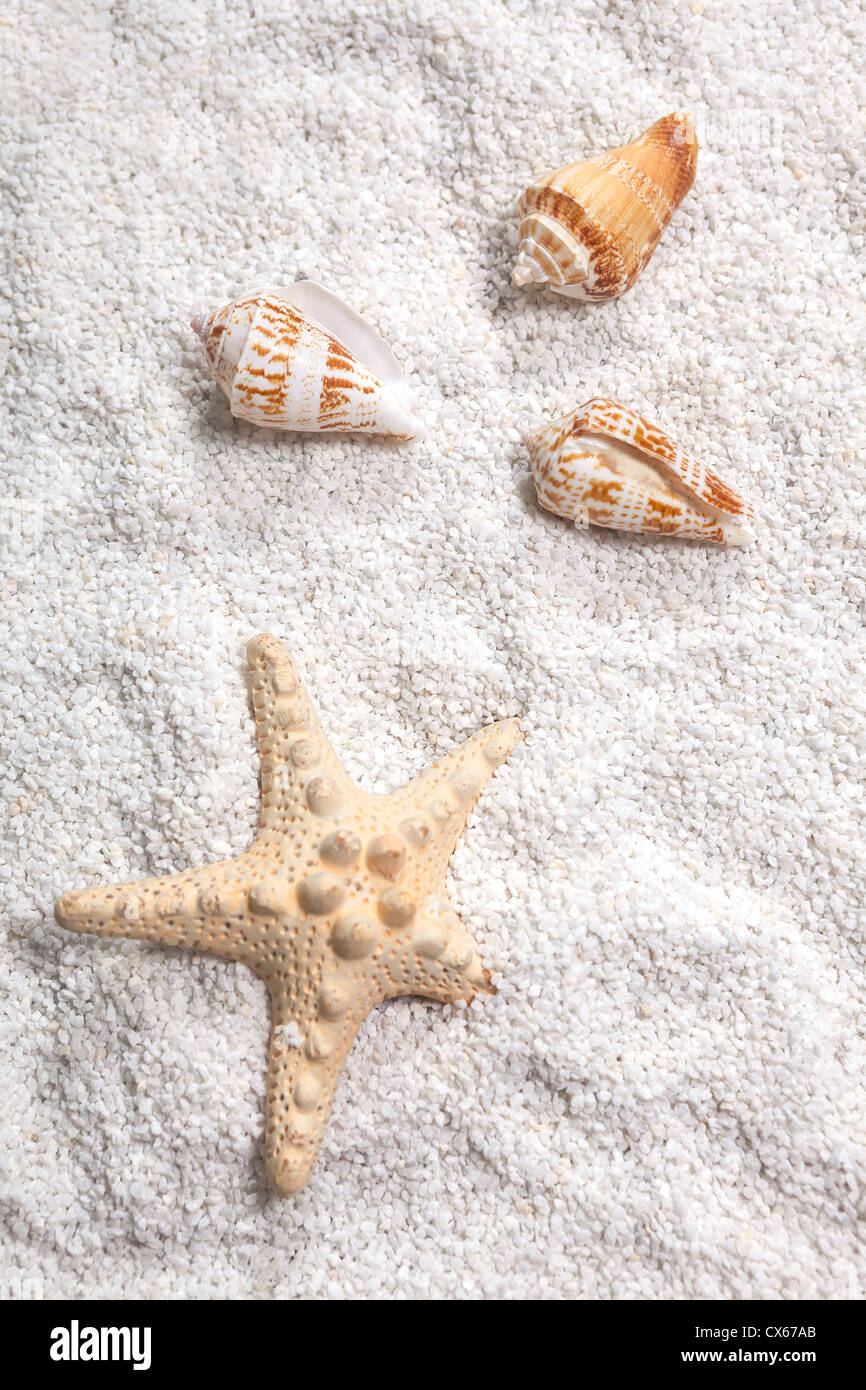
(339, 903)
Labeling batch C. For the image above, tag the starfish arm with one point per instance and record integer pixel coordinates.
(449, 986)
(434, 806)
(308, 1048)
(300, 769)
(438, 960)
(193, 909)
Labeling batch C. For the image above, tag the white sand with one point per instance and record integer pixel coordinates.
(666, 1098)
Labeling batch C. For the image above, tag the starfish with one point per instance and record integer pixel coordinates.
(339, 903)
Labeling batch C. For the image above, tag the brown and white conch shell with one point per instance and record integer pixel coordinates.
(605, 464)
(587, 230)
(298, 358)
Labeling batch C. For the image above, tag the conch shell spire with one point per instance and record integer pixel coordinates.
(527, 271)
(533, 265)
(588, 230)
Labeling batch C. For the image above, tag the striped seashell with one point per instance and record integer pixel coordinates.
(588, 230)
(298, 358)
(606, 465)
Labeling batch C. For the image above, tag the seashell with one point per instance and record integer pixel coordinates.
(298, 358)
(606, 465)
(587, 230)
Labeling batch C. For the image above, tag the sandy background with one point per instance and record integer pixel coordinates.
(666, 1098)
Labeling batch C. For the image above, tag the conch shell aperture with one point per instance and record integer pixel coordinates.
(298, 358)
(588, 230)
(605, 464)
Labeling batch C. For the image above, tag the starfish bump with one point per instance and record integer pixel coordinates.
(339, 903)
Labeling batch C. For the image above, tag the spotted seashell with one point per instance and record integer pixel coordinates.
(606, 465)
(299, 359)
(587, 230)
